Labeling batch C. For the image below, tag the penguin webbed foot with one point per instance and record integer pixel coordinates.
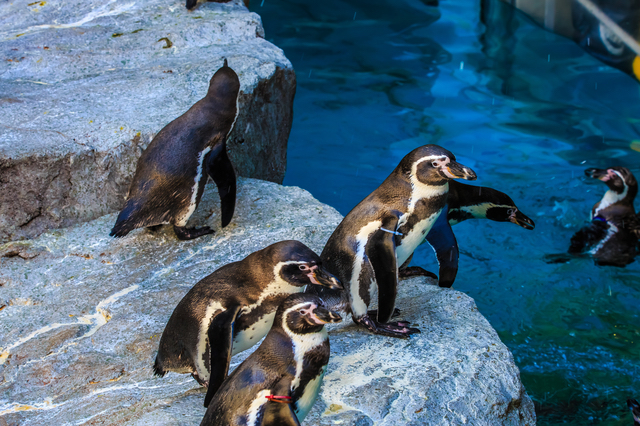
(398, 329)
(183, 233)
(197, 378)
(154, 228)
(374, 313)
(191, 4)
(415, 271)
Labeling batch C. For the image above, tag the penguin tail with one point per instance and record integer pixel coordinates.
(120, 229)
(157, 368)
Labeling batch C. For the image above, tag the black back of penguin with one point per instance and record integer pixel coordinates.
(162, 190)
(289, 363)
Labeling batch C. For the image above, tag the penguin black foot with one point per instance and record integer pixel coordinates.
(191, 4)
(374, 313)
(415, 271)
(184, 233)
(154, 228)
(398, 329)
(203, 383)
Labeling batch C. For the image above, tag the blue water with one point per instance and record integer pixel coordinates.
(528, 111)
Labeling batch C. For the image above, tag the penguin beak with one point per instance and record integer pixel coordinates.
(321, 277)
(599, 174)
(455, 170)
(324, 316)
(523, 220)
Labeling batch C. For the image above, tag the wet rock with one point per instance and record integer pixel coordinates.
(81, 351)
(85, 85)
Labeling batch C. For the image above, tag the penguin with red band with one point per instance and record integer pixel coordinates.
(278, 383)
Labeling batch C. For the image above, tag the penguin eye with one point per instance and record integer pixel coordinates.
(434, 164)
(304, 267)
(510, 211)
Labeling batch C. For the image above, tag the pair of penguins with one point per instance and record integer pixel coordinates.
(240, 302)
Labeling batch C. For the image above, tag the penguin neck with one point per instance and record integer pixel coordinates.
(420, 191)
(302, 343)
(610, 198)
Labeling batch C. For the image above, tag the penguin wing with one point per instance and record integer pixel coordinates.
(444, 243)
(381, 251)
(280, 413)
(220, 169)
(588, 236)
(220, 344)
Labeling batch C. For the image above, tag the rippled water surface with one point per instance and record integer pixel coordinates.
(528, 111)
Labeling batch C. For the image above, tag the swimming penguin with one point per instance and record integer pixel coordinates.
(381, 232)
(278, 383)
(466, 202)
(173, 170)
(635, 410)
(612, 236)
(233, 308)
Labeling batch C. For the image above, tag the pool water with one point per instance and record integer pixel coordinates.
(528, 111)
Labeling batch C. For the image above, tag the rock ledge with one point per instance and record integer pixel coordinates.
(81, 316)
(85, 85)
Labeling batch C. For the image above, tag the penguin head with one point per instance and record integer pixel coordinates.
(619, 180)
(504, 209)
(433, 165)
(301, 266)
(223, 89)
(303, 313)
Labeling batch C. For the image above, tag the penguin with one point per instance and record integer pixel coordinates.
(172, 172)
(612, 236)
(635, 410)
(468, 202)
(381, 232)
(233, 308)
(278, 384)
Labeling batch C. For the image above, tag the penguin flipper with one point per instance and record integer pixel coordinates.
(635, 410)
(381, 251)
(220, 168)
(280, 413)
(588, 236)
(444, 243)
(220, 345)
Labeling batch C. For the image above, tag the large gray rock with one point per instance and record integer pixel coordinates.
(86, 84)
(81, 316)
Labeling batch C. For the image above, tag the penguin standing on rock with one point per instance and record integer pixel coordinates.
(612, 236)
(381, 232)
(467, 202)
(172, 172)
(233, 308)
(278, 383)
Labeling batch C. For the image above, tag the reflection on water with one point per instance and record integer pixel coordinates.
(528, 110)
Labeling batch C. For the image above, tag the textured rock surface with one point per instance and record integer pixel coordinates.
(84, 86)
(81, 316)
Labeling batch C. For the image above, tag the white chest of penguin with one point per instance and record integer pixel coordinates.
(415, 235)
